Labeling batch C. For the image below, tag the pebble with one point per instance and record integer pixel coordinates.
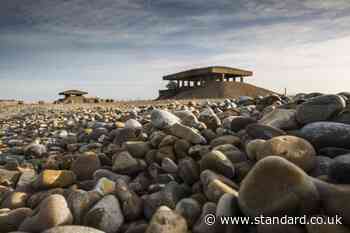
(124, 163)
(208, 134)
(133, 124)
(275, 187)
(53, 211)
(169, 165)
(296, 150)
(226, 139)
(188, 118)
(169, 196)
(217, 162)
(166, 220)
(210, 119)
(49, 179)
(188, 170)
(343, 116)
(106, 215)
(239, 123)
(165, 152)
(268, 100)
(132, 204)
(35, 149)
(280, 228)
(198, 151)
(320, 108)
(10, 220)
(253, 147)
(334, 199)
(72, 229)
(214, 185)
(156, 138)
(163, 119)
(110, 175)
(333, 152)
(190, 209)
(85, 165)
(14, 200)
(137, 149)
(104, 186)
(259, 131)
(246, 100)
(24, 181)
(339, 169)
(136, 227)
(322, 167)
(242, 169)
(327, 134)
(187, 133)
(35, 199)
(201, 226)
(233, 153)
(79, 202)
(168, 140)
(228, 206)
(226, 123)
(325, 228)
(9, 178)
(284, 119)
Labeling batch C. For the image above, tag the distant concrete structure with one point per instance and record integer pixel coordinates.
(11, 102)
(72, 96)
(201, 76)
(210, 82)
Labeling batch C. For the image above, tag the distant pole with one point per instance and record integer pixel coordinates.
(285, 91)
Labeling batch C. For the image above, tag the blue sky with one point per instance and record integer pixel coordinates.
(121, 48)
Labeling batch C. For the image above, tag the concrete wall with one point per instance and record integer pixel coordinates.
(222, 90)
(74, 100)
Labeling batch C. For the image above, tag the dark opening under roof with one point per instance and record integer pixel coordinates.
(73, 92)
(208, 71)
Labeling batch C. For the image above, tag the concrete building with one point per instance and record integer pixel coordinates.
(73, 96)
(210, 82)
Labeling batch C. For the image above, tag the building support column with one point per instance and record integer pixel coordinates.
(242, 80)
(222, 77)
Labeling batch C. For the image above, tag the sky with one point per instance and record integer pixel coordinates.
(121, 48)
